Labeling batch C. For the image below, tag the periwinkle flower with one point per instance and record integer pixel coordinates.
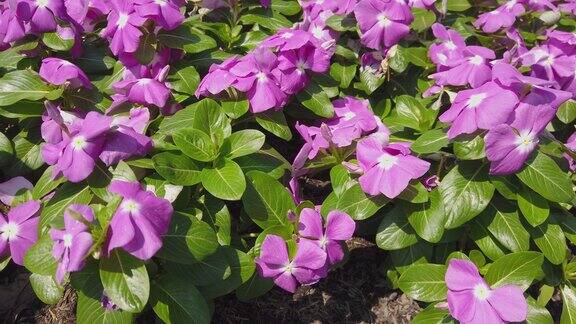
(571, 145)
(509, 145)
(19, 230)
(339, 227)
(479, 108)
(450, 47)
(58, 71)
(549, 63)
(288, 39)
(382, 23)
(503, 17)
(472, 301)
(255, 76)
(353, 119)
(12, 28)
(294, 65)
(146, 91)
(139, 222)
(72, 244)
(11, 187)
(287, 273)
(473, 68)
(387, 167)
(123, 27)
(218, 79)
(165, 13)
(40, 14)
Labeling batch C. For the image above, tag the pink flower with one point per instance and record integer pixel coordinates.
(166, 13)
(72, 244)
(549, 63)
(353, 119)
(10, 188)
(57, 72)
(218, 79)
(449, 49)
(509, 145)
(19, 230)
(387, 168)
(339, 227)
(40, 15)
(472, 301)
(383, 23)
(275, 263)
(148, 91)
(123, 27)
(503, 17)
(294, 65)
(139, 222)
(480, 108)
(472, 69)
(571, 145)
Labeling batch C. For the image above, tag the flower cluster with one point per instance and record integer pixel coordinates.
(318, 247)
(511, 108)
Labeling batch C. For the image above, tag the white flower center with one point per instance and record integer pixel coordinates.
(161, 3)
(122, 20)
(525, 141)
(261, 77)
(481, 291)
(67, 238)
(288, 268)
(9, 231)
(383, 20)
(78, 142)
(549, 61)
(144, 81)
(349, 115)
(443, 58)
(450, 45)
(476, 60)
(130, 206)
(287, 35)
(475, 100)
(301, 66)
(318, 32)
(320, 2)
(323, 241)
(539, 54)
(510, 4)
(42, 3)
(387, 161)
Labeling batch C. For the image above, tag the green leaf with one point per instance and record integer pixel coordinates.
(340, 179)
(370, 81)
(469, 148)
(268, 161)
(567, 112)
(57, 42)
(412, 113)
(417, 56)
(519, 268)
(418, 253)
(266, 201)
(356, 203)
(38, 259)
(9, 58)
(6, 150)
(46, 184)
(225, 181)
(89, 308)
(485, 240)
(275, 123)
(28, 157)
(177, 300)
(185, 80)
(430, 142)
(240, 268)
(268, 19)
(188, 240)
(395, 232)
(245, 142)
(286, 7)
(21, 84)
(537, 314)
(196, 144)
(466, 191)
(550, 239)
(568, 305)
(507, 186)
(177, 168)
(316, 100)
(343, 73)
(69, 193)
(428, 218)
(424, 282)
(47, 290)
(125, 281)
(545, 177)
(235, 108)
(255, 287)
(216, 213)
(433, 315)
(186, 38)
(415, 193)
(423, 19)
(341, 23)
(458, 5)
(502, 220)
(533, 206)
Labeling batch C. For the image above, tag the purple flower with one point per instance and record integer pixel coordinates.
(126, 138)
(571, 145)
(265, 3)
(353, 119)
(76, 155)
(294, 64)
(471, 300)
(313, 137)
(288, 39)
(11, 27)
(255, 76)
(503, 17)
(431, 182)
(218, 78)
(57, 72)
(339, 227)
(72, 244)
(472, 69)
(382, 23)
(387, 168)
(275, 263)
(166, 13)
(569, 6)
(19, 230)
(549, 63)
(144, 91)
(41, 14)
(139, 222)
(449, 49)
(508, 146)
(10, 188)
(123, 27)
(424, 4)
(480, 108)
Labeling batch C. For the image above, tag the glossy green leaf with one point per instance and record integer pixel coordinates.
(427, 219)
(177, 168)
(424, 282)
(176, 300)
(533, 206)
(395, 232)
(519, 268)
(225, 180)
(430, 142)
(545, 177)
(21, 84)
(47, 290)
(195, 144)
(267, 201)
(245, 142)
